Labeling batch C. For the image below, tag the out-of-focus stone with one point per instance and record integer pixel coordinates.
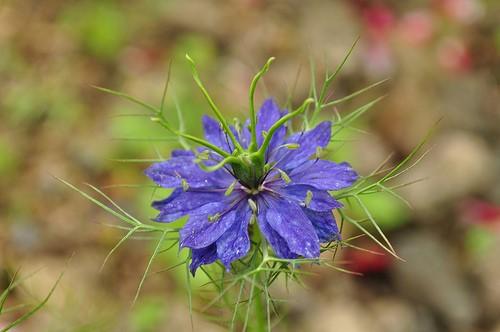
(345, 315)
(458, 164)
(432, 277)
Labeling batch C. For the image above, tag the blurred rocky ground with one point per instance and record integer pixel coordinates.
(442, 58)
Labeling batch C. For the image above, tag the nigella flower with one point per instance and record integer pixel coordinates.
(282, 186)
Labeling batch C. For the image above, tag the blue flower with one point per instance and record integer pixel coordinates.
(288, 197)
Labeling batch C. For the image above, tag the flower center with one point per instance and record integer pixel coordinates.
(250, 172)
(253, 192)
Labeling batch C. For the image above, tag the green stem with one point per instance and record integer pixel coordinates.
(260, 313)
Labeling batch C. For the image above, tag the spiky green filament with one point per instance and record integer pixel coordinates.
(214, 107)
(219, 165)
(253, 116)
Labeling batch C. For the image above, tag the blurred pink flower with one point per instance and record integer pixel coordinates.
(462, 11)
(416, 27)
(379, 21)
(377, 58)
(454, 56)
(480, 212)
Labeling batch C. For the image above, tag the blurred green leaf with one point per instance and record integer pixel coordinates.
(149, 313)
(478, 240)
(100, 26)
(389, 212)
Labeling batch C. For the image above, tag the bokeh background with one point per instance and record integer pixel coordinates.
(442, 58)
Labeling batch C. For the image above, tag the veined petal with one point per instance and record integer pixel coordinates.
(200, 231)
(202, 256)
(324, 223)
(324, 174)
(269, 114)
(181, 203)
(235, 242)
(320, 200)
(278, 244)
(214, 133)
(288, 220)
(181, 168)
(308, 142)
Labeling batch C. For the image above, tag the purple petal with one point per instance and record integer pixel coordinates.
(279, 245)
(288, 220)
(269, 114)
(324, 224)
(202, 256)
(200, 232)
(321, 199)
(324, 174)
(235, 242)
(182, 153)
(172, 172)
(181, 203)
(308, 142)
(214, 133)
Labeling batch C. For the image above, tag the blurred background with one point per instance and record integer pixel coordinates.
(442, 58)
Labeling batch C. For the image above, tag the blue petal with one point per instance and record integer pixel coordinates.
(324, 174)
(278, 244)
(200, 232)
(181, 203)
(235, 242)
(217, 136)
(288, 220)
(172, 172)
(321, 199)
(269, 114)
(182, 153)
(214, 133)
(324, 224)
(308, 142)
(202, 256)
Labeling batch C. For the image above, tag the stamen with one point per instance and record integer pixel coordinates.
(204, 155)
(292, 146)
(252, 205)
(214, 218)
(237, 125)
(230, 189)
(284, 176)
(319, 152)
(308, 199)
(185, 185)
